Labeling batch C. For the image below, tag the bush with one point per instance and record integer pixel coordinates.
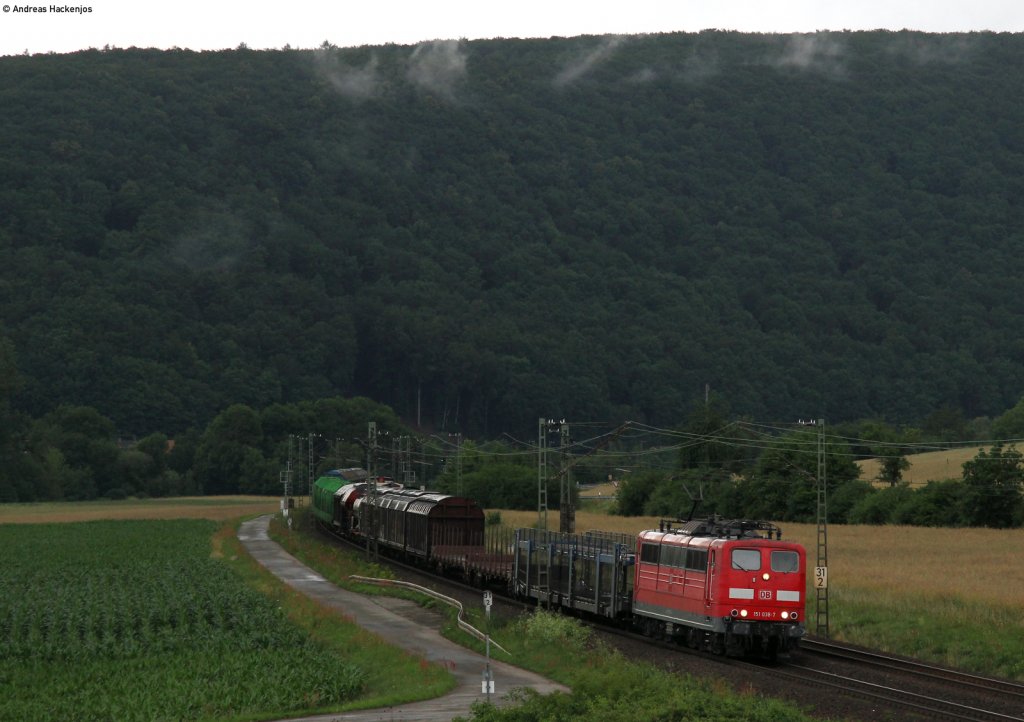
(938, 503)
(547, 628)
(877, 508)
(845, 497)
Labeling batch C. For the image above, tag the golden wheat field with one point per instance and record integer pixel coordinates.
(216, 508)
(930, 466)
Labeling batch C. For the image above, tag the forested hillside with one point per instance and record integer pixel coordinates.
(482, 233)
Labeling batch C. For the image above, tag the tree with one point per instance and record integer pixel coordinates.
(712, 446)
(502, 485)
(83, 439)
(1010, 424)
(892, 468)
(677, 496)
(783, 483)
(945, 423)
(133, 471)
(9, 381)
(993, 495)
(229, 459)
(635, 490)
(886, 443)
(155, 446)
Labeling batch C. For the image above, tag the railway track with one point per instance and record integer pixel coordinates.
(926, 690)
(1013, 691)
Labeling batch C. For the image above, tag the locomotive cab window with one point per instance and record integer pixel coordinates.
(747, 560)
(649, 553)
(785, 561)
(673, 557)
(697, 559)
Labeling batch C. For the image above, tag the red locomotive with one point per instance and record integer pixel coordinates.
(721, 585)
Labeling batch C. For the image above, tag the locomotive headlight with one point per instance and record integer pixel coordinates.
(766, 576)
(743, 612)
(784, 615)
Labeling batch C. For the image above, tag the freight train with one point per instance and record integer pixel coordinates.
(729, 587)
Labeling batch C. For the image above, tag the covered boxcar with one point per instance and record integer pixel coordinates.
(421, 524)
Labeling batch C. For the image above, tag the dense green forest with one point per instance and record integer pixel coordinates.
(481, 233)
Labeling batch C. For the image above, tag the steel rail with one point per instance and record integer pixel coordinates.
(912, 666)
(932, 706)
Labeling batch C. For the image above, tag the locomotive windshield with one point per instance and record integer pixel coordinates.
(747, 560)
(785, 561)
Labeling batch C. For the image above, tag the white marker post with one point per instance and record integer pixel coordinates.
(487, 686)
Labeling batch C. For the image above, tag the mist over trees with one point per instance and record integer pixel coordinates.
(480, 233)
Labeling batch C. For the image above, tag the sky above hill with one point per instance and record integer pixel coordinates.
(44, 26)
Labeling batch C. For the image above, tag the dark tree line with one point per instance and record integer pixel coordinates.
(74, 452)
(726, 467)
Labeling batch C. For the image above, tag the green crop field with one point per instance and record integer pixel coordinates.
(131, 620)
